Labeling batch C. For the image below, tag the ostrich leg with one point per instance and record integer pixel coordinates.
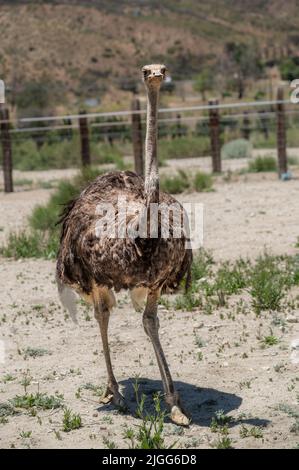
(151, 326)
(111, 394)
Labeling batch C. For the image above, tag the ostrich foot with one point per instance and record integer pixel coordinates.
(177, 412)
(178, 417)
(113, 396)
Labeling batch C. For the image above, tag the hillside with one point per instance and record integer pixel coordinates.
(75, 50)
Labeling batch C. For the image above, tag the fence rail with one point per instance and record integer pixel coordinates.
(84, 123)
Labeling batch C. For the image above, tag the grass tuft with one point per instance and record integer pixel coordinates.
(35, 352)
(71, 420)
(260, 164)
(203, 182)
(269, 281)
(175, 184)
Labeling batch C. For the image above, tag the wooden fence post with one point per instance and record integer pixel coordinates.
(6, 150)
(215, 137)
(281, 135)
(246, 126)
(178, 125)
(84, 135)
(137, 136)
(264, 123)
(69, 131)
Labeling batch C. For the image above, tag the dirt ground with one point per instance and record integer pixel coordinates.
(256, 387)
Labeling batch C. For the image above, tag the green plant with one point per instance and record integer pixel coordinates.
(175, 184)
(8, 378)
(37, 400)
(289, 68)
(42, 238)
(254, 431)
(6, 409)
(199, 356)
(26, 381)
(295, 427)
(219, 420)
(71, 420)
(204, 82)
(201, 265)
(239, 148)
(187, 301)
(224, 443)
(97, 390)
(25, 434)
(200, 343)
(109, 444)
(184, 147)
(149, 434)
(62, 153)
(268, 283)
(260, 164)
(202, 182)
(293, 160)
(292, 411)
(270, 340)
(35, 352)
(229, 279)
(34, 244)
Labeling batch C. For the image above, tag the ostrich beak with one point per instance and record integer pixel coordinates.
(156, 77)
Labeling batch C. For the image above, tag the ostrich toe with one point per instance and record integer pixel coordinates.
(113, 396)
(178, 417)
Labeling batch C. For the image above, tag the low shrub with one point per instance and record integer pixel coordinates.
(239, 148)
(184, 147)
(260, 164)
(202, 182)
(175, 184)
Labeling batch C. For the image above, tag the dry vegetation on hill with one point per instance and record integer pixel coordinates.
(77, 50)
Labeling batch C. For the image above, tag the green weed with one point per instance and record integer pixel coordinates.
(203, 182)
(261, 164)
(71, 420)
(149, 434)
(37, 400)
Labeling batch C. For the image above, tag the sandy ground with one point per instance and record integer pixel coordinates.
(243, 216)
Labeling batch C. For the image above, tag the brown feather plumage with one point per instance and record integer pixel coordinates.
(85, 260)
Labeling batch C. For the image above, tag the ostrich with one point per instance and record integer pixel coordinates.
(96, 265)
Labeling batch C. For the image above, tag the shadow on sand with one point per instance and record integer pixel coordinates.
(200, 403)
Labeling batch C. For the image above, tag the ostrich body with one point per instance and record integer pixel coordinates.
(96, 265)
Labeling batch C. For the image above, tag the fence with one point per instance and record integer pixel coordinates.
(128, 125)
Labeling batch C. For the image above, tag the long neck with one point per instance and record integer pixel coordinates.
(151, 164)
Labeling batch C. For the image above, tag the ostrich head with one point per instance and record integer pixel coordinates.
(153, 75)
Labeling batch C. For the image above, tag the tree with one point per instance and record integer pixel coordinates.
(244, 62)
(289, 68)
(204, 82)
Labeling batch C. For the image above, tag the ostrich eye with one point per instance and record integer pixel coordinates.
(145, 73)
(163, 70)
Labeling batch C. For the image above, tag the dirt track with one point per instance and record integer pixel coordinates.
(249, 383)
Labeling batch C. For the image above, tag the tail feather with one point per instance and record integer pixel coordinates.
(67, 298)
